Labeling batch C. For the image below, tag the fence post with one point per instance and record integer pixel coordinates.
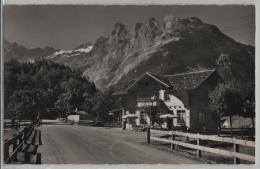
(231, 131)
(13, 123)
(14, 148)
(252, 133)
(38, 158)
(40, 138)
(198, 151)
(20, 138)
(26, 129)
(236, 149)
(219, 131)
(242, 133)
(27, 158)
(173, 146)
(6, 152)
(148, 135)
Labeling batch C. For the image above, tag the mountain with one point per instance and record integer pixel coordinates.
(21, 53)
(167, 46)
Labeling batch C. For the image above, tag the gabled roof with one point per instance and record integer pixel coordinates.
(158, 78)
(189, 80)
(123, 90)
(128, 85)
(147, 74)
(161, 78)
(179, 81)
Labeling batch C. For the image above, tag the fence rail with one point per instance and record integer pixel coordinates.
(241, 132)
(16, 123)
(235, 154)
(16, 142)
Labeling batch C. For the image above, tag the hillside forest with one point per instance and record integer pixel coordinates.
(51, 90)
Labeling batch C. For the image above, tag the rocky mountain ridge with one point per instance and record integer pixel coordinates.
(166, 46)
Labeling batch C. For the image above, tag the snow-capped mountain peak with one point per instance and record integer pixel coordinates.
(57, 53)
(86, 50)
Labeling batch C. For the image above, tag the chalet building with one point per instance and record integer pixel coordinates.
(170, 101)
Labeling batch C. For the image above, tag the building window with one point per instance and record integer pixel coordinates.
(131, 112)
(161, 112)
(181, 117)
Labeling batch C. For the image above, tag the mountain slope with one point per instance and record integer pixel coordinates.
(21, 53)
(167, 46)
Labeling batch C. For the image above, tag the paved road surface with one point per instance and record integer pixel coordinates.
(71, 144)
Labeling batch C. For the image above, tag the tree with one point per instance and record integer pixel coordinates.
(224, 66)
(249, 102)
(236, 96)
(227, 100)
(43, 87)
(27, 103)
(102, 102)
(50, 89)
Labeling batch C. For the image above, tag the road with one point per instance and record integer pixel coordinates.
(71, 144)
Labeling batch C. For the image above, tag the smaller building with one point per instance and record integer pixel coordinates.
(77, 116)
(170, 101)
(74, 118)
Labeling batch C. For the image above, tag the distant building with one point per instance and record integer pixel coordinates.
(76, 116)
(170, 101)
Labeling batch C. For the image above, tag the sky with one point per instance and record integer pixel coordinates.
(67, 26)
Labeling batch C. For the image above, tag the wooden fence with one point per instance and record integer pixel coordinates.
(237, 132)
(16, 123)
(235, 154)
(15, 144)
